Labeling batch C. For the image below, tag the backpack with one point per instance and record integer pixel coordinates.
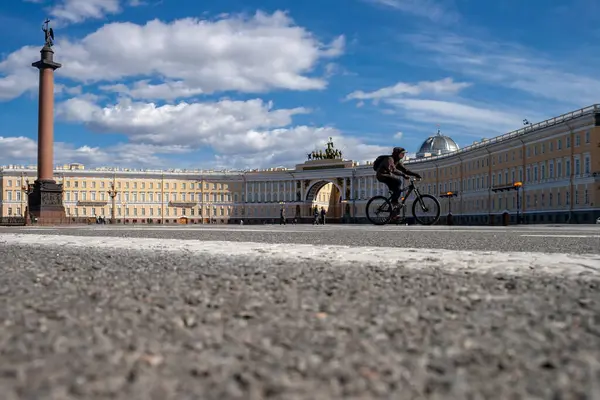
(378, 161)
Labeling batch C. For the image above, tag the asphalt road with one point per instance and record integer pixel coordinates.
(118, 324)
(531, 238)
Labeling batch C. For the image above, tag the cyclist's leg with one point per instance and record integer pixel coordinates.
(394, 185)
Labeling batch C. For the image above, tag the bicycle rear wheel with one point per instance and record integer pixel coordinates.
(379, 210)
(431, 206)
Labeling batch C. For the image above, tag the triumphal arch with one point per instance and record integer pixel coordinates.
(324, 181)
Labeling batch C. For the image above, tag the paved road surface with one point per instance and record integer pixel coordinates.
(107, 317)
(554, 239)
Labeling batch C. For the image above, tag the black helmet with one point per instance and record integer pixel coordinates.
(398, 150)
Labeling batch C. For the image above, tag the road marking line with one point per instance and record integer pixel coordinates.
(453, 261)
(563, 236)
(290, 229)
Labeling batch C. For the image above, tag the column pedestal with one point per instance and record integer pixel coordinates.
(45, 203)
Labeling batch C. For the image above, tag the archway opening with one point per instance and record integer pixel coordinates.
(325, 195)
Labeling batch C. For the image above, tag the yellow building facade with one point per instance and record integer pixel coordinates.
(557, 161)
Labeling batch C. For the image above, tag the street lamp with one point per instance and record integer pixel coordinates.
(517, 186)
(449, 196)
(113, 194)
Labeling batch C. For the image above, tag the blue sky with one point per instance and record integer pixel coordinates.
(238, 84)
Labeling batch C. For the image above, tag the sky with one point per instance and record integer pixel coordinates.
(236, 84)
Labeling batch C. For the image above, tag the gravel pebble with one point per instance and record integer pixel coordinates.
(157, 325)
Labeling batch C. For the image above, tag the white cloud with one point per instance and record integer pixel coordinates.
(190, 56)
(194, 124)
(509, 65)
(147, 91)
(75, 11)
(434, 10)
(20, 76)
(287, 147)
(398, 135)
(23, 150)
(248, 133)
(477, 120)
(440, 87)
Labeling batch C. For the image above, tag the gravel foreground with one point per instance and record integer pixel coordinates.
(156, 325)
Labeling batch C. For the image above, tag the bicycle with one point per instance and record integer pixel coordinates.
(387, 210)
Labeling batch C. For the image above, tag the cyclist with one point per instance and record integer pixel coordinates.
(389, 169)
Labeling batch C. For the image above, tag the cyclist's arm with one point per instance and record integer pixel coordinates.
(391, 166)
(405, 171)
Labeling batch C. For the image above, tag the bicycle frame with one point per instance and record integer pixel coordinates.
(411, 188)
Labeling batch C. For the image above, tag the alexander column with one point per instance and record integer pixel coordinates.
(46, 200)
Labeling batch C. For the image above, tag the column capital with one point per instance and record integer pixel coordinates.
(47, 60)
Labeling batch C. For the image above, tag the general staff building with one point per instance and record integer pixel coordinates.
(553, 166)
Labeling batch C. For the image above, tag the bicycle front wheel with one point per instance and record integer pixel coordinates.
(379, 210)
(429, 206)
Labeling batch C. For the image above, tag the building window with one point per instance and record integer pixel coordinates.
(587, 136)
(577, 141)
(577, 167)
(586, 198)
(568, 142)
(586, 165)
(559, 169)
(559, 144)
